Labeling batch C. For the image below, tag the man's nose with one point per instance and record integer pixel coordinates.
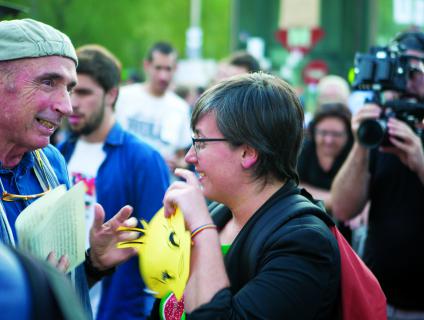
(63, 103)
(74, 101)
(165, 74)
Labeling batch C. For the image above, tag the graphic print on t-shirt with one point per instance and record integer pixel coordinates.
(89, 198)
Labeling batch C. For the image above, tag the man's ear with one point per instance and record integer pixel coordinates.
(249, 157)
(111, 96)
(146, 65)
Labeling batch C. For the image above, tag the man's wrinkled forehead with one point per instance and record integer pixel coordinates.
(36, 70)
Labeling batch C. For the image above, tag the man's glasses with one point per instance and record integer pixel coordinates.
(200, 143)
(416, 69)
(9, 197)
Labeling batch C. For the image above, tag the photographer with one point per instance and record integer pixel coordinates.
(391, 176)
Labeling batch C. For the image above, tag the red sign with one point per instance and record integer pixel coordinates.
(303, 39)
(314, 71)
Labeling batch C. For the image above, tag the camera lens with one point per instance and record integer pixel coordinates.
(371, 132)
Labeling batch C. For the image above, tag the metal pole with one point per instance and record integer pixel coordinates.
(194, 34)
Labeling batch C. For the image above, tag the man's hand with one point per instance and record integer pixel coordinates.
(406, 145)
(104, 236)
(368, 111)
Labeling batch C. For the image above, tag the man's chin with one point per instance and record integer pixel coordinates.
(76, 130)
(39, 144)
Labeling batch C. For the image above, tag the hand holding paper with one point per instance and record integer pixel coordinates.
(55, 223)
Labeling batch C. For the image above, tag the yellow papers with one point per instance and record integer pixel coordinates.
(164, 253)
(55, 222)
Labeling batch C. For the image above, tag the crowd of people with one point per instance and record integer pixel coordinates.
(239, 145)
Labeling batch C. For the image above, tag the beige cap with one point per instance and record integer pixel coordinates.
(27, 38)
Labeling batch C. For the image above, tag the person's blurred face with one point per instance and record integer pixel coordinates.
(330, 136)
(234, 70)
(160, 71)
(216, 163)
(416, 79)
(88, 102)
(226, 70)
(34, 98)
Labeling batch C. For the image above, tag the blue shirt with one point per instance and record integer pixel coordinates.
(132, 173)
(22, 180)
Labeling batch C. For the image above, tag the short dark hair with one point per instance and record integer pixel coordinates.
(163, 47)
(263, 112)
(100, 64)
(245, 60)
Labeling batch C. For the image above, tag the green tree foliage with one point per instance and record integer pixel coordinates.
(216, 20)
(129, 27)
(387, 28)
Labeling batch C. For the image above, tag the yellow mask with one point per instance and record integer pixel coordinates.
(164, 253)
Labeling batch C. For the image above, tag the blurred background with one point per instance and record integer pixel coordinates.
(300, 40)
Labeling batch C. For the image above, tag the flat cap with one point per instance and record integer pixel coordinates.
(27, 38)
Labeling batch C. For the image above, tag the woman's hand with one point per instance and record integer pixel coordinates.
(188, 196)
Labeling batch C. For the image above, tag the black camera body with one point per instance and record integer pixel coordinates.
(379, 70)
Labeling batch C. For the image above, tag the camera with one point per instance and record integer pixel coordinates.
(373, 132)
(379, 70)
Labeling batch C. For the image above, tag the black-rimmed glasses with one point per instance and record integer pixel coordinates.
(200, 143)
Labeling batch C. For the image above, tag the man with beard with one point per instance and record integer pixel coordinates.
(117, 169)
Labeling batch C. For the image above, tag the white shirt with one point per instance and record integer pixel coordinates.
(83, 166)
(163, 122)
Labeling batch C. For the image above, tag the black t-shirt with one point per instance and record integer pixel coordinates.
(310, 170)
(394, 247)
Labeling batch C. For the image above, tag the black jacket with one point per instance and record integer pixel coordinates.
(279, 267)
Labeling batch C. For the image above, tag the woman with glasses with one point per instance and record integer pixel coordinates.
(250, 260)
(324, 150)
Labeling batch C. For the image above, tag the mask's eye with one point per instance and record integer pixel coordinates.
(166, 276)
(173, 239)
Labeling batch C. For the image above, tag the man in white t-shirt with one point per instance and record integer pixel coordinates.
(153, 112)
(117, 169)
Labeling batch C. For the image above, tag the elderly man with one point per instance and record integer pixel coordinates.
(37, 73)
